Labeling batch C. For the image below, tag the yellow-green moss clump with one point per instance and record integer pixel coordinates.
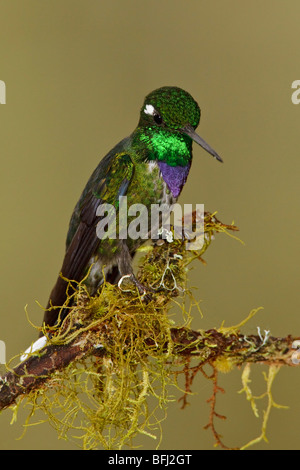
(121, 389)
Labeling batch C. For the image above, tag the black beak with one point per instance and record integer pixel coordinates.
(189, 130)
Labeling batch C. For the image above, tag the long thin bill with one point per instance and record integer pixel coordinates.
(188, 130)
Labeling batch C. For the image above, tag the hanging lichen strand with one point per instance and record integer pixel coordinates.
(107, 375)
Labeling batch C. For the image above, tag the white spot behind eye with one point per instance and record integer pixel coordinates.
(149, 109)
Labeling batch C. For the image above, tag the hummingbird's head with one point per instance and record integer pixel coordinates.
(174, 110)
(170, 107)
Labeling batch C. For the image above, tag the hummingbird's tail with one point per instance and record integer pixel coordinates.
(58, 297)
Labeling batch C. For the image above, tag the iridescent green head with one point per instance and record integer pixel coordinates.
(171, 110)
(170, 107)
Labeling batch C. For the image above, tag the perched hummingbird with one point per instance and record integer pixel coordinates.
(150, 167)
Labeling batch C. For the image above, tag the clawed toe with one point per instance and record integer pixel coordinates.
(144, 291)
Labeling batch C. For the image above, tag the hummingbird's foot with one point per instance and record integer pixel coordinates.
(141, 288)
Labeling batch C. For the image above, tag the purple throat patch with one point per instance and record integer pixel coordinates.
(174, 176)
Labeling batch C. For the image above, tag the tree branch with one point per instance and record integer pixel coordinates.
(209, 346)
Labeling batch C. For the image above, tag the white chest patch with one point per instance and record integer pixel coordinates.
(166, 195)
(152, 165)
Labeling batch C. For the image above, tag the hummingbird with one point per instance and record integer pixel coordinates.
(150, 166)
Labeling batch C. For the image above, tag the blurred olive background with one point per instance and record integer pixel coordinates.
(76, 73)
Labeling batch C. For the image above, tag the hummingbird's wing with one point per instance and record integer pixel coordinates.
(113, 184)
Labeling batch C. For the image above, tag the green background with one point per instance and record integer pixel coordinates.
(76, 73)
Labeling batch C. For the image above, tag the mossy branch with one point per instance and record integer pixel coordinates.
(115, 346)
(222, 350)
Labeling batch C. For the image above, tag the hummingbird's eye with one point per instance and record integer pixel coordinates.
(157, 118)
